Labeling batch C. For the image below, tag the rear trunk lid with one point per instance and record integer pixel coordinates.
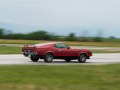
(28, 48)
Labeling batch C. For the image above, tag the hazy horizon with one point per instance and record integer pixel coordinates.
(61, 16)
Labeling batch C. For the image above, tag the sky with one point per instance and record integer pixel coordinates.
(64, 16)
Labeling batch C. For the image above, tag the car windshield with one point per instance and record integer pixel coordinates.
(61, 45)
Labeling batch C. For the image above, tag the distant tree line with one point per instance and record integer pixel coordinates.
(37, 35)
(43, 35)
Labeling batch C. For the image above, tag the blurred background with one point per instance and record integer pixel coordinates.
(75, 22)
(84, 24)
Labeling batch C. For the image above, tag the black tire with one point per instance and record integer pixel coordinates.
(67, 60)
(34, 58)
(48, 57)
(82, 58)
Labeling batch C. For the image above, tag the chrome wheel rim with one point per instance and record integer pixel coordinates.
(82, 58)
(49, 58)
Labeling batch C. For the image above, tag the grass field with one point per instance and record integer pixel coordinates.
(17, 50)
(101, 44)
(81, 77)
(105, 51)
(10, 50)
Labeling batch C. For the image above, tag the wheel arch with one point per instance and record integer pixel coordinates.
(50, 53)
(83, 53)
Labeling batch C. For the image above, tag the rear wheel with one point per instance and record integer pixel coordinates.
(48, 57)
(34, 58)
(67, 60)
(82, 58)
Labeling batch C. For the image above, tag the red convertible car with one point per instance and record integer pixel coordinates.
(57, 50)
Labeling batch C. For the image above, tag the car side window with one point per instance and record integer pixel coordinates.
(61, 45)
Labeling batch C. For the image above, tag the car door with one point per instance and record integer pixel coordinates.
(63, 50)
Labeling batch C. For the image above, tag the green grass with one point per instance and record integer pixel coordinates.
(17, 50)
(101, 44)
(10, 50)
(81, 77)
(105, 51)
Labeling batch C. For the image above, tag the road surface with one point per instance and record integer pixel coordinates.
(96, 59)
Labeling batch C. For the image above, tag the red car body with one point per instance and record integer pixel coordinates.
(56, 50)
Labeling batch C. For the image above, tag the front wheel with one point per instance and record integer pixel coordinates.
(82, 58)
(48, 57)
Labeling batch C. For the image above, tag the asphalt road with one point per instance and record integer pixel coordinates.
(96, 59)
